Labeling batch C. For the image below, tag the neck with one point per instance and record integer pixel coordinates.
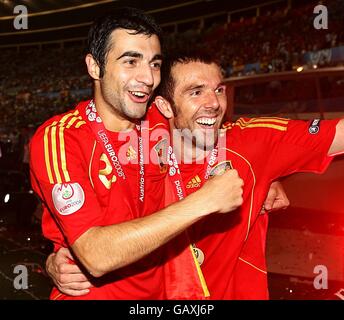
(112, 120)
(185, 150)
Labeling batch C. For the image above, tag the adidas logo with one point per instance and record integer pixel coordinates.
(131, 154)
(194, 182)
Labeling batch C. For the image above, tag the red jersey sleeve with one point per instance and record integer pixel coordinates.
(304, 147)
(59, 174)
(282, 147)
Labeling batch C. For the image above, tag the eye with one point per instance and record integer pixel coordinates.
(130, 62)
(156, 65)
(196, 93)
(220, 90)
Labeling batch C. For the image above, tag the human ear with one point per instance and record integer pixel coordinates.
(92, 67)
(164, 107)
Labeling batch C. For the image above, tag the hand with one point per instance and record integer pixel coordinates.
(276, 199)
(67, 277)
(224, 192)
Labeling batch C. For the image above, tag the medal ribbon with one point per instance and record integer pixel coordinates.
(180, 192)
(98, 129)
(175, 175)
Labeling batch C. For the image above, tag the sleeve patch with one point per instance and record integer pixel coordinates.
(68, 198)
(314, 127)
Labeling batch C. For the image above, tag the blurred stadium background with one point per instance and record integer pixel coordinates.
(276, 64)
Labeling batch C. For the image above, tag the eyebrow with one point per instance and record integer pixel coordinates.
(201, 86)
(193, 87)
(157, 57)
(135, 54)
(132, 54)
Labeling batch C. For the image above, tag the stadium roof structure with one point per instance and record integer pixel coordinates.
(35, 7)
(53, 20)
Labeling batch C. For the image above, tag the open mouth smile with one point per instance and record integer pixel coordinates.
(139, 96)
(206, 122)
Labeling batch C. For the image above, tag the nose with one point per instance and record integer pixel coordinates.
(145, 75)
(213, 101)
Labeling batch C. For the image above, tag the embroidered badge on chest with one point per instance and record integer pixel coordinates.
(221, 168)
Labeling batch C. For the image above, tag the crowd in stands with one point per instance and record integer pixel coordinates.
(36, 84)
(273, 42)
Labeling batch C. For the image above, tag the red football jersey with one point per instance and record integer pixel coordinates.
(183, 277)
(81, 189)
(232, 246)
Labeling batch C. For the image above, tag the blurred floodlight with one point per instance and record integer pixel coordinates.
(7, 198)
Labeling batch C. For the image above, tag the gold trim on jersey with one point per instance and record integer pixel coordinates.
(79, 124)
(252, 191)
(200, 273)
(252, 265)
(46, 154)
(54, 146)
(63, 156)
(54, 151)
(71, 121)
(158, 124)
(57, 296)
(90, 165)
(227, 125)
(268, 122)
(268, 119)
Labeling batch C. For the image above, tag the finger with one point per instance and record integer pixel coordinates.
(69, 268)
(268, 204)
(269, 201)
(49, 267)
(279, 204)
(75, 293)
(284, 202)
(73, 277)
(64, 253)
(76, 285)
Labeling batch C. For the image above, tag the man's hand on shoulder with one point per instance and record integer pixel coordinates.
(276, 198)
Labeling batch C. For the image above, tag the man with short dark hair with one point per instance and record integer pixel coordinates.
(93, 203)
(231, 248)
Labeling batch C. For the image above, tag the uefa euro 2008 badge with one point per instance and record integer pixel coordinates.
(68, 198)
